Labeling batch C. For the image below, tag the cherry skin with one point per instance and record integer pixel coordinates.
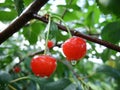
(50, 44)
(74, 48)
(16, 69)
(43, 65)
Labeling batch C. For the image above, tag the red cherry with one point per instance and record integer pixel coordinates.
(50, 44)
(43, 65)
(74, 48)
(16, 69)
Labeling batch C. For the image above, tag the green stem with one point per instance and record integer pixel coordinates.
(55, 16)
(18, 79)
(10, 86)
(85, 85)
(48, 30)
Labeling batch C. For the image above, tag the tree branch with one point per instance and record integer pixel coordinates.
(20, 21)
(31, 13)
(76, 33)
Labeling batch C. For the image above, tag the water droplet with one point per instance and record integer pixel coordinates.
(46, 77)
(73, 62)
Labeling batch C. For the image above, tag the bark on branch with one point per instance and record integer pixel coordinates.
(31, 13)
(20, 21)
(87, 37)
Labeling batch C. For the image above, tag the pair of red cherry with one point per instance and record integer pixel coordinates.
(44, 65)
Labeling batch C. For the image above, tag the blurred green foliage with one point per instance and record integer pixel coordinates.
(100, 68)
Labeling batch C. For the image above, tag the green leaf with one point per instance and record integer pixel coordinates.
(32, 86)
(27, 63)
(56, 33)
(111, 32)
(90, 19)
(7, 11)
(92, 16)
(109, 71)
(4, 80)
(6, 4)
(75, 7)
(41, 81)
(73, 1)
(32, 32)
(47, 6)
(5, 60)
(109, 6)
(71, 87)
(82, 66)
(19, 6)
(7, 15)
(53, 31)
(62, 70)
(27, 2)
(29, 35)
(74, 15)
(57, 85)
(105, 55)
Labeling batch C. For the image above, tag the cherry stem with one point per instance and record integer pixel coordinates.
(18, 79)
(55, 16)
(48, 30)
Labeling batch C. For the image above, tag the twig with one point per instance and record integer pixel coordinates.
(87, 37)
